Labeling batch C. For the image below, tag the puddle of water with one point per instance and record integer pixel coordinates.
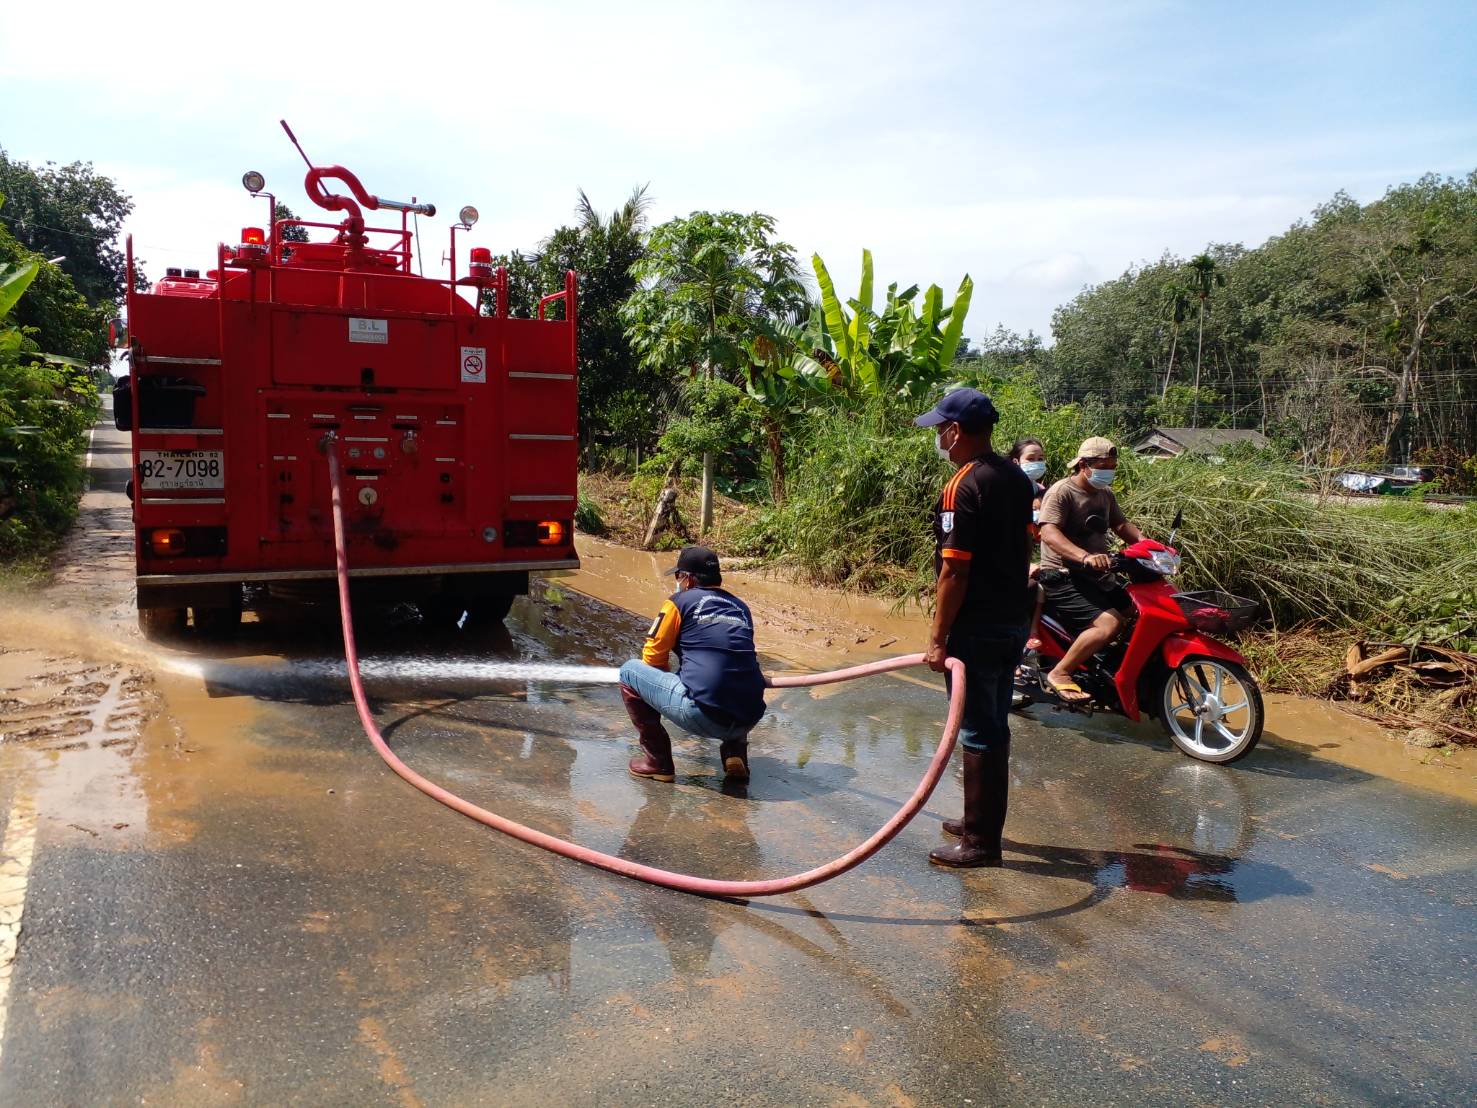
(822, 629)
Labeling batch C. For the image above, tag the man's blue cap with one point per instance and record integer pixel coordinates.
(969, 407)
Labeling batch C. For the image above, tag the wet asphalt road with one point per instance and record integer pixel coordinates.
(280, 920)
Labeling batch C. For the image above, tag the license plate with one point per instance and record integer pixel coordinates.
(182, 469)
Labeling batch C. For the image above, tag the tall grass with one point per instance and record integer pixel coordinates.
(862, 486)
(863, 483)
(1260, 528)
(856, 513)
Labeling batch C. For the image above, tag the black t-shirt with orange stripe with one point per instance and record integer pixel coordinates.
(983, 517)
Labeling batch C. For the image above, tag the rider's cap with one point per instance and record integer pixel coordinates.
(699, 561)
(969, 408)
(1095, 447)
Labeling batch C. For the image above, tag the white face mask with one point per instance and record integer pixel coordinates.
(1034, 470)
(1102, 478)
(941, 449)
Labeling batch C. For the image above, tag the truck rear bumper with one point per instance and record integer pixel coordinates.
(165, 580)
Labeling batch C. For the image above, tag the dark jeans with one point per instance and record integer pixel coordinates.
(990, 653)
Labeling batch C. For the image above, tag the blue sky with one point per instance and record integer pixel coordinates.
(1038, 146)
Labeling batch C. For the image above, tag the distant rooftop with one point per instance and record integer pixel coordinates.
(1170, 442)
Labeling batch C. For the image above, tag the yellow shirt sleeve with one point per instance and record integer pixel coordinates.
(662, 636)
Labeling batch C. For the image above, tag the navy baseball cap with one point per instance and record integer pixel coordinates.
(699, 561)
(970, 408)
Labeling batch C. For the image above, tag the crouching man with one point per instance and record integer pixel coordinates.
(717, 691)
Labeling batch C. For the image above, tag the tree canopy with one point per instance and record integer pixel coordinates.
(1352, 336)
(72, 211)
(619, 398)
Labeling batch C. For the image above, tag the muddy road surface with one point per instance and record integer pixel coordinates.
(212, 891)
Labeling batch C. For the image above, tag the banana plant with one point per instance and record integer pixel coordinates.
(905, 350)
(784, 376)
(14, 280)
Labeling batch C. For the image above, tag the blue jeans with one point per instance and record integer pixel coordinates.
(990, 653)
(665, 692)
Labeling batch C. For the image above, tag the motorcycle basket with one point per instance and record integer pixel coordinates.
(1216, 612)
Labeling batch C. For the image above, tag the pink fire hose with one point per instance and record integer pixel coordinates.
(705, 886)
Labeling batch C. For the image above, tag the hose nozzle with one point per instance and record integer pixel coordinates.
(325, 444)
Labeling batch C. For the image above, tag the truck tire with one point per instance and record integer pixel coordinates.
(442, 611)
(484, 611)
(217, 623)
(161, 624)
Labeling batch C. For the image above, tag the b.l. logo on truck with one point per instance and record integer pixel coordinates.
(474, 364)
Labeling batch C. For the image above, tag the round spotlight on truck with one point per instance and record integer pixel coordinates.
(253, 181)
(468, 215)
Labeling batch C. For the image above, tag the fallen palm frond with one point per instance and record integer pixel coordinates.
(1406, 688)
(1421, 686)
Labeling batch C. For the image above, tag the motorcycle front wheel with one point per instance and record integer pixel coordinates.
(1212, 709)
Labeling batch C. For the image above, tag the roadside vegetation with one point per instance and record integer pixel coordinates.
(1348, 341)
(60, 277)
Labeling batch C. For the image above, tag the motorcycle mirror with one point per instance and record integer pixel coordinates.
(1179, 518)
(1097, 524)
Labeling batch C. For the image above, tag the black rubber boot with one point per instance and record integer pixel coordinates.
(655, 761)
(986, 790)
(735, 756)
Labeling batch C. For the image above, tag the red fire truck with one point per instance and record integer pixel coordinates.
(454, 423)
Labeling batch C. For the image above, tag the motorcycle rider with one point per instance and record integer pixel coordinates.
(1030, 455)
(1076, 515)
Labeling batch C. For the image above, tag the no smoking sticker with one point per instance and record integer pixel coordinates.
(474, 364)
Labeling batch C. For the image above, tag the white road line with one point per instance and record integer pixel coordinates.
(87, 465)
(15, 870)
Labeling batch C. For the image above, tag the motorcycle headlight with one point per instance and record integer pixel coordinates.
(1165, 562)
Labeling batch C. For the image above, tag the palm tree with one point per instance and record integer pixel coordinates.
(1205, 276)
(628, 221)
(1176, 304)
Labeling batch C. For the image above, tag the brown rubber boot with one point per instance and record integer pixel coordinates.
(986, 788)
(655, 760)
(735, 755)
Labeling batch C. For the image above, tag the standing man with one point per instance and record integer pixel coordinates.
(718, 689)
(1076, 515)
(982, 555)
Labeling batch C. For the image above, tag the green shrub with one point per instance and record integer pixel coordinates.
(587, 515)
(863, 483)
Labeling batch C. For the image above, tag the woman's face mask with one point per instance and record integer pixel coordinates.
(1102, 478)
(1034, 470)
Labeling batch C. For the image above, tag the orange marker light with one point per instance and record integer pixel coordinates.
(550, 533)
(167, 542)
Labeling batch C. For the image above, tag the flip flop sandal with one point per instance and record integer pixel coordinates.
(1065, 690)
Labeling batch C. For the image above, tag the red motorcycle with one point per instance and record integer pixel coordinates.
(1166, 665)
